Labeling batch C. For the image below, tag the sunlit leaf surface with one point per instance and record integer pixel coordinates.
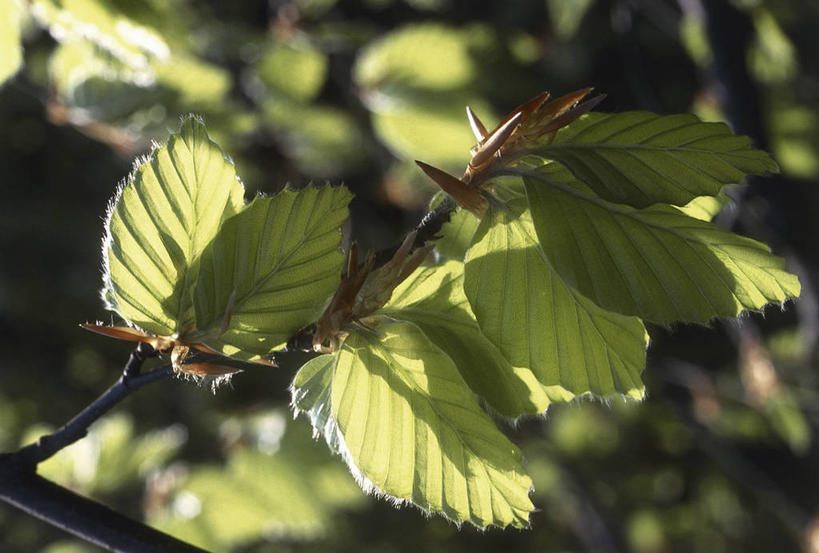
(409, 427)
(540, 322)
(639, 158)
(11, 52)
(656, 263)
(271, 269)
(159, 224)
(433, 298)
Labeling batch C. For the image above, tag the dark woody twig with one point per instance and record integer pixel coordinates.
(131, 380)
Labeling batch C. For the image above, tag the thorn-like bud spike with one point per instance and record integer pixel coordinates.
(159, 343)
(352, 259)
(560, 105)
(464, 195)
(526, 109)
(495, 141)
(478, 129)
(571, 115)
(406, 247)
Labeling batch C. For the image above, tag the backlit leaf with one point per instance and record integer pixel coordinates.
(271, 269)
(410, 428)
(639, 158)
(656, 263)
(539, 322)
(431, 56)
(11, 52)
(433, 299)
(171, 207)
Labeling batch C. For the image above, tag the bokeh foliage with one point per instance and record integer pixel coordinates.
(718, 458)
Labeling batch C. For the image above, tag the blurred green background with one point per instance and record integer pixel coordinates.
(722, 456)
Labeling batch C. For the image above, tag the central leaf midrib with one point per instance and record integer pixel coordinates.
(270, 274)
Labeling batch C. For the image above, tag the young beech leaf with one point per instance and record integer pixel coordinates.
(434, 300)
(11, 51)
(410, 428)
(539, 322)
(639, 158)
(160, 221)
(656, 263)
(271, 270)
(456, 234)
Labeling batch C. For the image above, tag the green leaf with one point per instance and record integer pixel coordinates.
(271, 269)
(322, 141)
(639, 158)
(410, 428)
(456, 234)
(566, 16)
(276, 483)
(132, 43)
(656, 263)
(539, 322)
(11, 51)
(429, 127)
(434, 300)
(705, 208)
(160, 222)
(429, 55)
(296, 69)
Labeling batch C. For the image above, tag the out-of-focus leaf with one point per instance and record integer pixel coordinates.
(92, 80)
(271, 269)
(290, 491)
(795, 130)
(132, 44)
(195, 83)
(111, 457)
(296, 69)
(639, 158)
(789, 421)
(693, 37)
(323, 141)
(427, 128)
(656, 263)
(159, 224)
(433, 298)
(429, 56)
(772, 55)
(539, 322)
(566, 16)
(67, 547)
(410, 428)
(11, 51)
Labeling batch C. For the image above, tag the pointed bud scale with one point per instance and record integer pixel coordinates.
(208, 369)
(478, 129)
(159, 343)
(465, 196)
(526, 108)
(559, 105)
(569, 116)
(495, 141)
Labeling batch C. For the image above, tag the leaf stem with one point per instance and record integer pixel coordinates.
(426, 230)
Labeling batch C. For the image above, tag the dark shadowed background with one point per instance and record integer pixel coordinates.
(720, 457)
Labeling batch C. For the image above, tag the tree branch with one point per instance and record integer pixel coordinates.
(131, 380)
(83, 517)
(23, 488)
